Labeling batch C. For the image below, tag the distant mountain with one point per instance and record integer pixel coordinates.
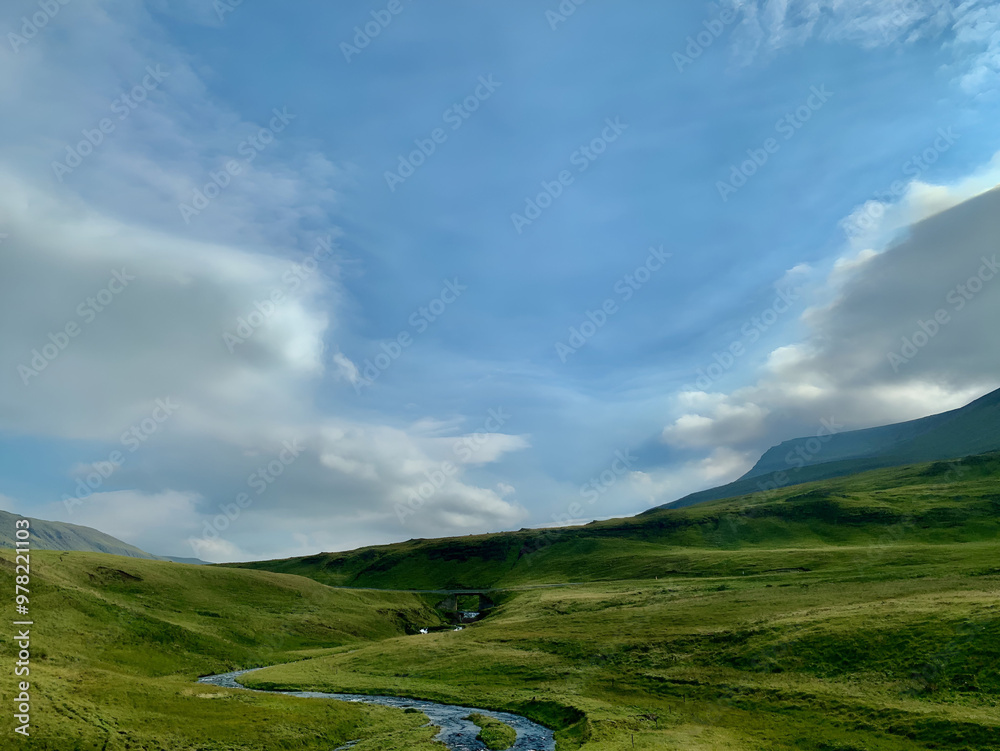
(62, 536)
(47, 535)
(179, 559)
(972, 429)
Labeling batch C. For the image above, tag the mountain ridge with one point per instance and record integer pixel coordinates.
(49, 535)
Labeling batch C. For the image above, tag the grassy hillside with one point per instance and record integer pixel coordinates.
(856, 614)
(808, 526)
(118, 643)
(883, 648)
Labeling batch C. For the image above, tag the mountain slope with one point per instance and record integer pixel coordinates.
(47, 535)
(972, 429)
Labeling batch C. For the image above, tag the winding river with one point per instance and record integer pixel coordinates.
(457, 734)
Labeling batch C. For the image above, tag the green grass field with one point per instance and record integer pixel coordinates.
(857, 614)
(889, 658)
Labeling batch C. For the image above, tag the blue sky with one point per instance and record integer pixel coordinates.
(638, 142)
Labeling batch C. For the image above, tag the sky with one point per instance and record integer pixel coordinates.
(278, 279)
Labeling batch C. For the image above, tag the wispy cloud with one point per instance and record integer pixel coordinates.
(970, 28)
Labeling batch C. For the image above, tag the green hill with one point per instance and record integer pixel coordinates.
(117, 644)
(851, 614)
(886, 647)
(937, 503)
(972, 429)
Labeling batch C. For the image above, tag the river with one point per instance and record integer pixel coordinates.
(457, 734)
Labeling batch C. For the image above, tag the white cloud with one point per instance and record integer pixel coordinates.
(160, 335)
(145, 520)
(198, 323)
(389, 466)
(346, 369)
(660, 485)
(729, 423)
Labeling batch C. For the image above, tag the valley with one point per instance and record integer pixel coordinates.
(855, 614)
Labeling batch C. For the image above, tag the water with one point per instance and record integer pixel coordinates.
(457, 734)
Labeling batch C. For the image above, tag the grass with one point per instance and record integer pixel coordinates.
(857, 614)
(793, 660)
(495, 735)
(118, 643)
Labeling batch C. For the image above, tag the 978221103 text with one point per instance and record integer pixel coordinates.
(22, 638)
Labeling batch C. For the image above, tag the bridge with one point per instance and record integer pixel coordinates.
(459, 602)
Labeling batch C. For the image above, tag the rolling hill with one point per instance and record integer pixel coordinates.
(118, 643)
(937, 503)
(877, 649)
(848, 614)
